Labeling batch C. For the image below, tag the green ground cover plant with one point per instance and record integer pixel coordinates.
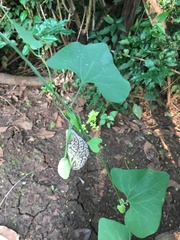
(144, 189)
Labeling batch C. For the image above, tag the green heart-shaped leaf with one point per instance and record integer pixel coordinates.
(93, 63)
(145, 191)
(112, 230)
(93, 144)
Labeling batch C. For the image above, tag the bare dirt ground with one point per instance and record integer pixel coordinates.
(40, 204)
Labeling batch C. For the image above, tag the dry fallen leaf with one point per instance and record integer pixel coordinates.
(120, 129)
(1, 158)
(151, 152)
(3, 129)
(24, 124)
(95, 133)
(174, 184)
(1, 163)
(159, 133)
(7, 234)
(80, 234)
(1, 152)
(78, 109)
(59, 122)
(168, 236)
(134, 126)
(118, 157)
(44, 134)
(53, 197)
(55, 115)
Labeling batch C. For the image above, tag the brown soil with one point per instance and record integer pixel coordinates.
(42, 205)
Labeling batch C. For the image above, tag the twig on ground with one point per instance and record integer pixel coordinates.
(12, 106)
(7, 194)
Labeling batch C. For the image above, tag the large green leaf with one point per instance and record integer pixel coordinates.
(93, 63)
(112, 230)
(145, 191)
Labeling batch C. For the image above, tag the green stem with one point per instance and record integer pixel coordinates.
(109, 175)
(76, 95)
(44, 62)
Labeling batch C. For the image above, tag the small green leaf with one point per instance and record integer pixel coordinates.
(23, 15)
(113, 113)
(74, 119)
(52, 125)
(124, 42)
(27, 37)
(105, 30)
(149, 63)
(114, 38)
(23, 1)
(162, 17)
(126, 65)
(121, 208)
(2, 44)
(64, 168)
(109, 19)
(102, 122)
(25, 50)
(93, 144)
(137, 110)
(121, 27)
(149, 97)
(48, 39)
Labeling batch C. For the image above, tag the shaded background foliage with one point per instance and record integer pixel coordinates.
(144, 52)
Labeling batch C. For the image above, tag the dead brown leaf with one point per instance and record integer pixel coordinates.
(118, 157)
(134, 126)
(80, 234)
(53, 197)
(55, 116)
(95, 133)
(78, 109)
(24, 124)
(44, 134)
(1, 156)
(81, 101)
(120, 130)
(164, 132)
(151, 152)
(59, 122)
(1, 152)
(159, 133)
(174, 184)
(7, 234)
(1, 161)
(3, 129)
(168, 236)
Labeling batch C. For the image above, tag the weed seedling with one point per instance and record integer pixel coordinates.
(108, 119)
